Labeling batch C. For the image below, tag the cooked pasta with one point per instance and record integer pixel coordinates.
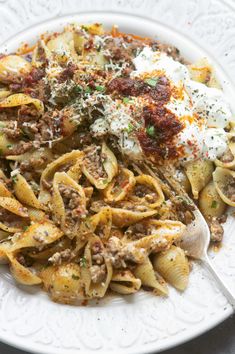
(105, 140)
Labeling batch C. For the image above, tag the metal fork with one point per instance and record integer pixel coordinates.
(195, 242)
(196, 238)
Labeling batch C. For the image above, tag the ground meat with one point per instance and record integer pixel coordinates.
(93, 162)
(137, 231)
(73, 209)
(20, 148)
(63, 256)
(33, 77)
(28, 113)
(216, 230)
(143, 191)
(12, 133)
(230, 191)
(122, 48)
(115, 254)
(12, 220)
(227, 156)
(161, 92)
(98, 273)
(67, 73)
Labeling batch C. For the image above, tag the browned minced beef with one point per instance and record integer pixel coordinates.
(93, 161)
(230, 191)
(98, 268)
(98, 273)
(122, 48)
(67, 73)
(60, 257)
(11, 219)
(216, 229)
(227, 156)
(143, 191)
(72, 203)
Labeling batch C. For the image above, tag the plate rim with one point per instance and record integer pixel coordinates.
(192, 333)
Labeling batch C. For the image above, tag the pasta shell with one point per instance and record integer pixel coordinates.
(13, 68)
(124, 282)
(63, 283)
(20, 99)
(68, 213)
(100, 166)
(5, 143)
(22, 274)
(224, 180)
(45, 254)
(63, 163)
(203, 72)
(125, 217)
(173, 266)
(101, 223)
(63, 47)
(25, 194)
(36, 214)
(150, 278)
(147, 191)
(159, 238)
(4, 192)
(166, 231)
(37, 235)
(227, 160)
(120, 186)
(199, 173)
(44, 155)
(4, 94)
(94, 289)
(15, 216)
(210, 203)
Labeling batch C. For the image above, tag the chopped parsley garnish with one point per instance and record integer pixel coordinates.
(127, 100)
(150, 130)
(100, 88)
(105, 181)
(87, 89)
(83, 262)
(130, 128)
(78, 89)
(14, 179)
(75, 277)
(9, 146)
(151, 81)
(25, 228)
(214, 204)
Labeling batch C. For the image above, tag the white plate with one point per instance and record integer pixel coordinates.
(140, 323)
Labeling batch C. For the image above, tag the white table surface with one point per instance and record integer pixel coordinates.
(220, 340)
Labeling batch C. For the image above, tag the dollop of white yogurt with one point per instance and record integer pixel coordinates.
(204, 137)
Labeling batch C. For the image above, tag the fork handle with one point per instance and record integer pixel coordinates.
(224, 288)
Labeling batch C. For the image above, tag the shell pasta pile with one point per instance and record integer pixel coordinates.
(105, 141)
(87, 232)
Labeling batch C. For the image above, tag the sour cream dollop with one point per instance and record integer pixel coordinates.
(204, 111)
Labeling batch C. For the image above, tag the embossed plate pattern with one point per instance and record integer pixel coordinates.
(140, 323)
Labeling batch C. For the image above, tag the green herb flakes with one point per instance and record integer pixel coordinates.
(75, 277)
(83, 262)
(87, 89)
(150, 130)
(78, 89)
(130, 128)
(100, 88)
(214, 204)
(151, 81)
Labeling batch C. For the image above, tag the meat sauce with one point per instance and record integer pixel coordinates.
(164, 124)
